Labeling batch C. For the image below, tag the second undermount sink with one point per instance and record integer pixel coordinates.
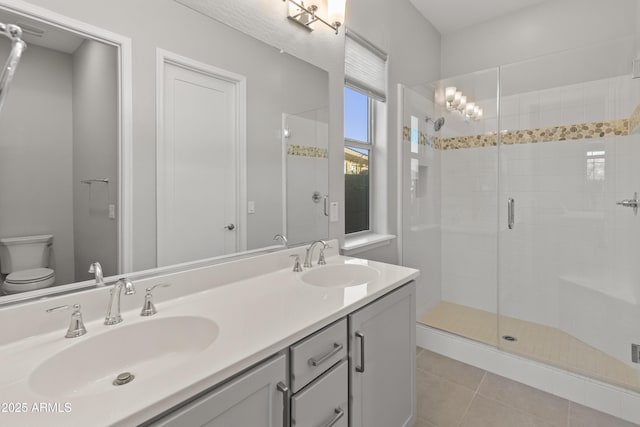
(340, 275)
(145, 349)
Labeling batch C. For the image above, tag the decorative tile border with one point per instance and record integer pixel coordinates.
(634, 120)
(307, 151)
(573, 132)
(473, 141)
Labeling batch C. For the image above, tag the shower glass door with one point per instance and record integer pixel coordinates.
(449, 202)
(568, 275)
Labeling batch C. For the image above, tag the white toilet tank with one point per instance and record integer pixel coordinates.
(24, 253)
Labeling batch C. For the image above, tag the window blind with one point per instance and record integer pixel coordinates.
(365, 66)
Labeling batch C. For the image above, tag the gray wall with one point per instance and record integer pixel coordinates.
(36, 153)
(95, 156)
(552, 26)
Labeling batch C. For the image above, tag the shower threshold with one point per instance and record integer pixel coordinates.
(535, 341)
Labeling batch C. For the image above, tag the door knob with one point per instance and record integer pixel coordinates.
(230, 227)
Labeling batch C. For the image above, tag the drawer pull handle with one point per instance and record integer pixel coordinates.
(339, 413)
(361, 367)
(286, 411)
(337, 348)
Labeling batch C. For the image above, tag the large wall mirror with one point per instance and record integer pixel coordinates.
(220, 126)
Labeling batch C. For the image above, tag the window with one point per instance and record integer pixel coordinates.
(357, 155)
(595, 165)
(365, 85)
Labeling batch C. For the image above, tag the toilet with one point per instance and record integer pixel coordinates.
(24, 263)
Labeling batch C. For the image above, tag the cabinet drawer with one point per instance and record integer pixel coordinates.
(317, 353)
(324, 403)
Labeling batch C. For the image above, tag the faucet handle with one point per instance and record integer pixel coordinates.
(76, 326)
(148, 308)
(296, 263)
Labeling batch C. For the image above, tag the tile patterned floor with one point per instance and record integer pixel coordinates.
(543, 343)
(451, 393)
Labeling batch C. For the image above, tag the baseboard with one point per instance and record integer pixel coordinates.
(586, 391)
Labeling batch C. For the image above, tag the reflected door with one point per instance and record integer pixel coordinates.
(197, 186)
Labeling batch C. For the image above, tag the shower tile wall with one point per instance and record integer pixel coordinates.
(570, 262)
(307, 171)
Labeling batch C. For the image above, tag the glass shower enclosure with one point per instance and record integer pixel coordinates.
(524, 220)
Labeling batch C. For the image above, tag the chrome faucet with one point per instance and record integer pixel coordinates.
(96, 269)
(283, 239)
(309, 253)
(113, 310)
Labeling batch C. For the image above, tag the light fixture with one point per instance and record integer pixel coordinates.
(307, 15)
(454, 100)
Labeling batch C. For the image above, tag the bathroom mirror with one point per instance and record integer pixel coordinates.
(109, 195)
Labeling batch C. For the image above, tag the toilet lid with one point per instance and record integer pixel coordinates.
(30, 276)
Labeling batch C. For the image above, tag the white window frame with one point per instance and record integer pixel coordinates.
(370, 146)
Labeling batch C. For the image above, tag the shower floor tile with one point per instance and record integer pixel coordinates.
(451, 393)
(536, 341)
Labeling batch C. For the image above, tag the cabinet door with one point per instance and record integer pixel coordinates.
(253, 399)
(383, 359)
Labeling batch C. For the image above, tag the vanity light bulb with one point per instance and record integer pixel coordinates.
(450, 93)
(463, 103)
(336, 11)
(456, 99)
(479, 114)
(469, 109)
(476, 110)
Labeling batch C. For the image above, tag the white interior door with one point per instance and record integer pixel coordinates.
(197, 166)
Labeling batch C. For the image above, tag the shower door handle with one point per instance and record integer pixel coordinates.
(511, 214)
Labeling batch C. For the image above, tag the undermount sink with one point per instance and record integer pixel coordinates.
(148, 348)
(340, 275)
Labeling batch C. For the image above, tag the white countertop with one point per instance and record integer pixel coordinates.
(256, 317)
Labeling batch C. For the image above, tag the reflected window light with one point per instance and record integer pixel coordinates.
(415, 134)
(596, 165)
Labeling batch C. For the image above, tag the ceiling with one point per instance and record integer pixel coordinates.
(452, 15)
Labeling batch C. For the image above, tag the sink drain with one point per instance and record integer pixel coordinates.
(509, 338)
(124, 378)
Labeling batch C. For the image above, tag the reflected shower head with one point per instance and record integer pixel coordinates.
(437, 123)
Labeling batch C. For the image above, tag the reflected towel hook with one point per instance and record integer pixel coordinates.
(91, 181)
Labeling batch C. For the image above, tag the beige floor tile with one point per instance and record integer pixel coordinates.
(581, 416)
(441, 402)
(418, 351)
(452, 370)
(545, 406)
(485, 412)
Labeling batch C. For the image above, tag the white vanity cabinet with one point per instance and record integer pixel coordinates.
(382, 353)
(358, 372)
(256, 398)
